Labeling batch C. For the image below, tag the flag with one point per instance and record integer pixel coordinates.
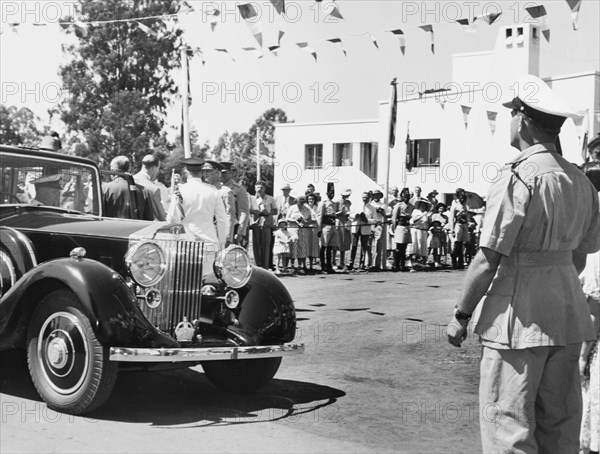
(184, 8)
(147, 30)
(225, 51)
(466, 110)
(279, 6)
(584, 140)
(400, 35)
(214, 18)
(282, 29)
(374, 40)
(274, 49)
(335, 12)
(575, 5)
(429, 28)
(539, 12)
(490, 18)
(469, 27)
(338, 40)
(409, 150)
(308, 49)
(492, 120)
(393, 113)
(248, 12)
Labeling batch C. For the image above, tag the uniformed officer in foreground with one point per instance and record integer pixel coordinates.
(204, 213)
(531, 314)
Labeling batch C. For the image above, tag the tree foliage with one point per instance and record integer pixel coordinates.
(18, 126)
(241, 148)
(119, 77)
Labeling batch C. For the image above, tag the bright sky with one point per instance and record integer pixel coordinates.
(229, 95)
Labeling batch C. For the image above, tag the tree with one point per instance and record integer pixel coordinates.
(119, 77)
(242, 148)
(18, 126)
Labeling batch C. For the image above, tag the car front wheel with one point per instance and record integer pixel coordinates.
(68, 365)
(244, 376)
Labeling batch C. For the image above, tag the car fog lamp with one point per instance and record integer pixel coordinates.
(232, 299)
(146, 263)
(233, 266)
(208, 290)
(153, 298)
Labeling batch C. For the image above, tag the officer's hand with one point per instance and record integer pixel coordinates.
(457, 331)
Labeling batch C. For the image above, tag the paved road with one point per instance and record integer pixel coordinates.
(377, 376)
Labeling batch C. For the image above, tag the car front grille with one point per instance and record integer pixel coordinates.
(179, 288)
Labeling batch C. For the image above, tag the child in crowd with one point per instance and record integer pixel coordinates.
(281, 246)
(434, 241)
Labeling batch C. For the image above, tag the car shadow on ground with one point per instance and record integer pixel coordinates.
(184, 398)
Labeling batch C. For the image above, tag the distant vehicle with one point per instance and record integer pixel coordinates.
(84, 294)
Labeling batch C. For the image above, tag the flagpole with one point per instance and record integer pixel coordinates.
(393, 100)
(257, 154)
(187, 152)
(390, 142)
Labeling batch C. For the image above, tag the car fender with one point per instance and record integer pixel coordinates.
(267, 307)
(17, 256)
(105, 299)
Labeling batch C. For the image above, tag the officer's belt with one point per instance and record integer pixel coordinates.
(533, 259)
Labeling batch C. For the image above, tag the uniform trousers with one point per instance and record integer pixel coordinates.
(530, 400)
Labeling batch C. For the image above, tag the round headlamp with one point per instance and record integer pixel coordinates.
(233, 266)
(146, 263)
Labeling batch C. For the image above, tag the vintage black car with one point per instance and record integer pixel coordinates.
(84, 294)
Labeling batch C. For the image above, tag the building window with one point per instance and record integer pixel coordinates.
(342, 154)
(313, 156)
(368, 159)
(426, 152)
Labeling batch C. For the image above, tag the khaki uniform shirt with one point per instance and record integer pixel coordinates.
(538, 213)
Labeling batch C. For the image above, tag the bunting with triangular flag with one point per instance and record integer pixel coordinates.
(338, 40)
(279, 6)
(248, 12)
(225, 51)
(492, 120)
(400, 35)
(575, 5)
(147, 30)
(539, 12)
(335, 11)
(490, 18)
(214, 18)
(429, 28)
(374, 40)
(282, 28)
(274, 49)
(307, 48)
(185, 8)
(469, 27)
(466, 110)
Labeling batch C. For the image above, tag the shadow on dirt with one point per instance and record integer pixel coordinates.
(184, 398)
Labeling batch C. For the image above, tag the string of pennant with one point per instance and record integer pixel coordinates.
(249, 14)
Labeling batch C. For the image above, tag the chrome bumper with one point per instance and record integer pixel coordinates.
(167, 355)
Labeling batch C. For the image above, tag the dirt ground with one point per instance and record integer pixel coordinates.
(377, 376)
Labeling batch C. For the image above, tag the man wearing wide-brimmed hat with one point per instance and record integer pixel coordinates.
(531, 314)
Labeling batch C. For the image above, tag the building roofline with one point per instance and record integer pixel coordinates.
(337, 122)
(572, 76)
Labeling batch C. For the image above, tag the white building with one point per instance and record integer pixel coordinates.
(459, 133)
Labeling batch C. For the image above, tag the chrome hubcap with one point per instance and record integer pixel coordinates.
(57, 352)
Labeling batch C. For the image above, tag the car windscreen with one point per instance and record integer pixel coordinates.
(39, 181)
